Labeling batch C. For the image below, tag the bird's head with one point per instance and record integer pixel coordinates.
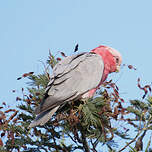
(111, 57)
(117, 57)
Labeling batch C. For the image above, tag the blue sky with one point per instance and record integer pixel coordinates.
(29, 28)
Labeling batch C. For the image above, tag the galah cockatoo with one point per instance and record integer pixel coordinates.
(76, 77)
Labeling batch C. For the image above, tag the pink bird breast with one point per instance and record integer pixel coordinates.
(111, 64)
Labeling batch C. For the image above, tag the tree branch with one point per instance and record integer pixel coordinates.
(139, 143)
(138, 134)
(84, 141)
(94, 146)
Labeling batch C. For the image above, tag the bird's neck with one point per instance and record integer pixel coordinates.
(109, 64)
(109, 67)
(108, 59)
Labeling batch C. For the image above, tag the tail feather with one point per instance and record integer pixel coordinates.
(43, 117)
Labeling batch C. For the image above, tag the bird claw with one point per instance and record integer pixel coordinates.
(85, 100)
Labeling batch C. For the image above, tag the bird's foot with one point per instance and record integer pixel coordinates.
(85, 100)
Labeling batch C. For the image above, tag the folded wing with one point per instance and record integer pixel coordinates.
(71, 78)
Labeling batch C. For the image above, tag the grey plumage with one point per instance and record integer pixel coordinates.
(43, 117)
(71, 78)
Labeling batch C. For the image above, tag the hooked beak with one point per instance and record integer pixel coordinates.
(118, 68)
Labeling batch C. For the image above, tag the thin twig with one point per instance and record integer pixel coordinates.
(73, 139)
(94, 146)
(130, 142)
(84, 141)
(44, 149)
(139, 132)
(139, 143)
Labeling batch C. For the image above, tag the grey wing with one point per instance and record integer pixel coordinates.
(71, 78)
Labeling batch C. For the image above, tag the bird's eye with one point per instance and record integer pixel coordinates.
(117, 60)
